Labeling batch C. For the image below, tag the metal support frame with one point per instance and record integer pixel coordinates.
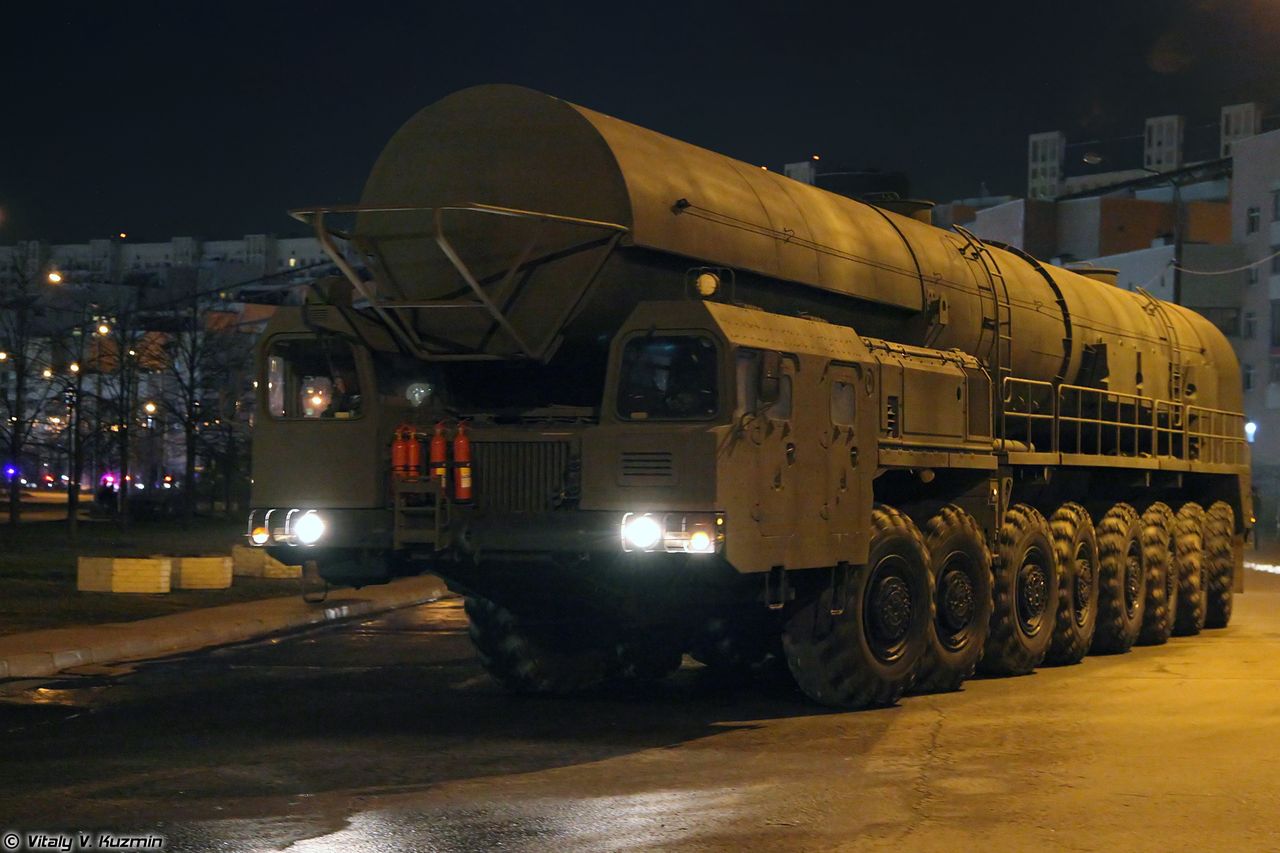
(389, 310)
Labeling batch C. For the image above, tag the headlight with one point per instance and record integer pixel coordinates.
(700, 542)
(640, 532)
(673, 532)
(308, 528)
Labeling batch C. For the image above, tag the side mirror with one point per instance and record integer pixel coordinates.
(770, 386)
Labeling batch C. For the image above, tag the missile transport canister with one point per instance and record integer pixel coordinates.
(637, 400)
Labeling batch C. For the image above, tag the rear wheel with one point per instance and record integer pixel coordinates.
(1122, 581)
(1188, 560)
(537, 658)
(1162, 579)
(1076, 548)
(961, 566)
(1024, 594)
(867, 654)
(1219, 556)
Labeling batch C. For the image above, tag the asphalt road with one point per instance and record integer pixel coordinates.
(386, 736)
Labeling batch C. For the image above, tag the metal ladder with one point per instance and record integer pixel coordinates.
(1000, 355)
(1175, 350)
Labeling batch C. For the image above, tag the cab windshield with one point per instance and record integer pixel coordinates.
(669, 377)
(312, 378)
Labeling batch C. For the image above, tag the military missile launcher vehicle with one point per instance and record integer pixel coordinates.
(637, 400)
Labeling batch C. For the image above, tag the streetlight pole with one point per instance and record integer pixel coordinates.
(1176, 199)
(73, 481)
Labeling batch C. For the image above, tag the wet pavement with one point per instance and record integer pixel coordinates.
(385, 735)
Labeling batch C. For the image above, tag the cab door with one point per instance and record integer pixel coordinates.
(773, 432)
(848, 482)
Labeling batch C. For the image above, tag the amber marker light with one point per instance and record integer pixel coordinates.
(259, 536)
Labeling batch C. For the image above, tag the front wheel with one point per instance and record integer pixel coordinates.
(1025, 594)
(867, 652)
(961, 567)
(527, 657)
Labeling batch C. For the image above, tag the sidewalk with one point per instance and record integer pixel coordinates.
(40, 653)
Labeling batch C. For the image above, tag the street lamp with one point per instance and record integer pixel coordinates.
(149, 408)
(55, 277)
(104, 329)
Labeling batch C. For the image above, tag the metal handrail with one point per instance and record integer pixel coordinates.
(1098, 421)
(1027, 415)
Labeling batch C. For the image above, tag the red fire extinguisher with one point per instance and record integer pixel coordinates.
(462, 464)
(406, 454)
(439, 457)
(413, 453)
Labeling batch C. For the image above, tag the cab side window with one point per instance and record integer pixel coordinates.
(843, 403)
(749, 365)
(312, 378)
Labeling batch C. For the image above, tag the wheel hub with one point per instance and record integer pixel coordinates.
(955, 603)
(891, 609)
(1083, 585)
(1033, 595)
(1132, 582)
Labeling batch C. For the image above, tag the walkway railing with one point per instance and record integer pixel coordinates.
(1079, 420)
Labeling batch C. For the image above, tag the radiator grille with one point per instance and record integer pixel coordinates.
(519, 476)
(646, 467)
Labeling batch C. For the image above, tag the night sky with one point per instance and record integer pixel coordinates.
(211, 119)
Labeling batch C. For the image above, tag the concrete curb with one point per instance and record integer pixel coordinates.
(41, 653)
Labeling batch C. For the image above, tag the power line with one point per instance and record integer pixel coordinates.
(1256, 263)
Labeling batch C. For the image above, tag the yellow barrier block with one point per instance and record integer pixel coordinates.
(202, 573)
(257, 563)
(124, 574)
(273, 568)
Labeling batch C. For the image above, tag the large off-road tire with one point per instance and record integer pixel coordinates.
(866, 655)
(646, 660)
(1188, 560)
(537, 658)
(961, 565)
(1162, 579)
(1076, 547)
(1024, 594)
(1122, 581)
(1219, 565)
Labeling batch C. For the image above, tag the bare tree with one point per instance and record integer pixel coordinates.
(126, 351)
(23, 391)
(192, 365)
